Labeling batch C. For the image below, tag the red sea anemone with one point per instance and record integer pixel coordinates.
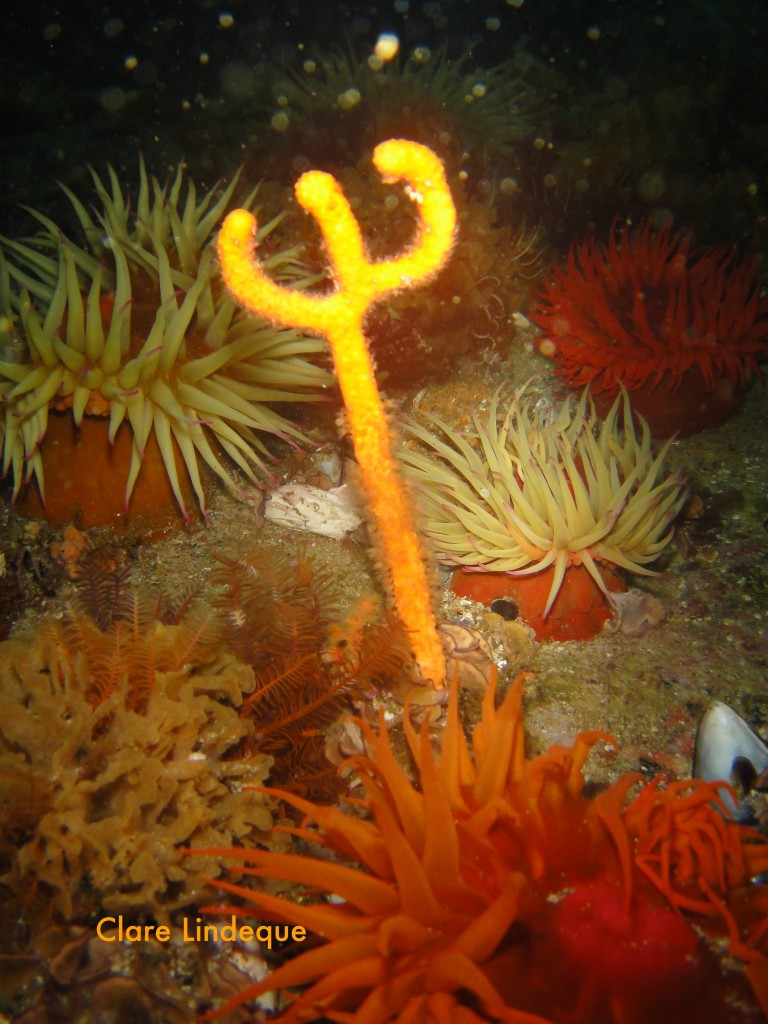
(645, 312)
(494, 889)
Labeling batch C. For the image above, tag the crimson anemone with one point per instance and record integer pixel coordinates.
(645, 312)
(494, 889)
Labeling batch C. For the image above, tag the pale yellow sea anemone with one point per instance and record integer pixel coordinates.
(545, 486)
(422, 95)
(134, 326)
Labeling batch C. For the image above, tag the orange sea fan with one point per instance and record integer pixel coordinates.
(496, 890)
(643, 309)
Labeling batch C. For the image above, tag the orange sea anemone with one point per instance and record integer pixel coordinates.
(130, 339)
(494, 889)
(645, 312)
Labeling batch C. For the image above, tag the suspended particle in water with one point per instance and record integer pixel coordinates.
(387, 46)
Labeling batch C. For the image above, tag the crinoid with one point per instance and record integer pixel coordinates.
(131, 724)
(682, 330)
(280, 618)
(494, 889)
(126, 366)
(118, 637)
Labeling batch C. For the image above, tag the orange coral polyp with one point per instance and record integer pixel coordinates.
(339, 317)
(643, 310)
(475, 884)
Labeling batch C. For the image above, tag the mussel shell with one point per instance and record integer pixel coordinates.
(728, 749)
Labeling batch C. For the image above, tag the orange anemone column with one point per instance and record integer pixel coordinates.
(339, 317)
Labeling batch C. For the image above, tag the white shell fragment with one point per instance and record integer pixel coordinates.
(722, 738)
(313, 510)
(323, 467)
